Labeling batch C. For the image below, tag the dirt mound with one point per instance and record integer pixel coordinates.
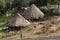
(52, 25)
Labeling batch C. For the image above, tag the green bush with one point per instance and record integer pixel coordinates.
(47, 10)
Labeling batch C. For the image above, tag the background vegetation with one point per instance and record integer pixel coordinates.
(8, 5)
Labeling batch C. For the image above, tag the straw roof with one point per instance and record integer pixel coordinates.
(19, 21)
(57, 10)
(33, 13)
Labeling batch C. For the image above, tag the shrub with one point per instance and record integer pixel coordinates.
(47, 10)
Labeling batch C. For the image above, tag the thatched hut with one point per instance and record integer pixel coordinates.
(57, 10)
(33, 13)
(19, 21)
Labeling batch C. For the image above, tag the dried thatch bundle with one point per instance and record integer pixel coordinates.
(33, 13)
(19, 21)
(57, 10)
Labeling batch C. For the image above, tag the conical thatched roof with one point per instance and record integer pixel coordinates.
(19, 21)
(57, 10)
(33, 13)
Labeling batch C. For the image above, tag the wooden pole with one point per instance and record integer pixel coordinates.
(21, 34)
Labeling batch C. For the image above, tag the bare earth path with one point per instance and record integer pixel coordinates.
(37, 38)
(49, 38)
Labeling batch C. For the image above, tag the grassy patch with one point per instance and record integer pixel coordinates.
(6, 34)
(3, 24)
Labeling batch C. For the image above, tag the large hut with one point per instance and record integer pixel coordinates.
(57, 10)
(33, 12)
(19, 21)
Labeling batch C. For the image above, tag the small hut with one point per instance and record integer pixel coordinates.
(57, 10)
(19, 21)
(33, 12)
